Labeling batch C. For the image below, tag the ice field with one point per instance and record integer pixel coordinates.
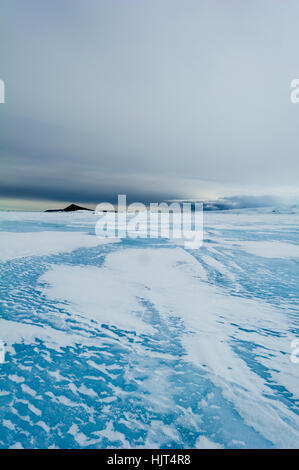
(143, 343)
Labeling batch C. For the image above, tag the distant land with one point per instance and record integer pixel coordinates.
(70, 208)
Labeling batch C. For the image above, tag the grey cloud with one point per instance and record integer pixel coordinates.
(148, 98)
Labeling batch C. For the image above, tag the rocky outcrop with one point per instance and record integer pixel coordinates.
(71, 208)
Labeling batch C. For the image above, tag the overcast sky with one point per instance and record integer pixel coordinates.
(157, 99)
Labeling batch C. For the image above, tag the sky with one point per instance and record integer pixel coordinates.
(155, 99)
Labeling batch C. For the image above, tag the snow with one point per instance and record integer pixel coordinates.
(99, 294)
(18, 245)
(205, 443)
(271, 249)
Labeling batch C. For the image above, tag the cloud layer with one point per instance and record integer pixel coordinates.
(154, 99)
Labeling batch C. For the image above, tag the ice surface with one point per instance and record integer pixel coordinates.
(143, 343)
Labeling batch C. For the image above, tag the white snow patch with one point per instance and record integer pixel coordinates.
(270, 249)
(204, 443)
(19, 245)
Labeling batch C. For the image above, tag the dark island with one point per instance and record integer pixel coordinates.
(71, 208)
